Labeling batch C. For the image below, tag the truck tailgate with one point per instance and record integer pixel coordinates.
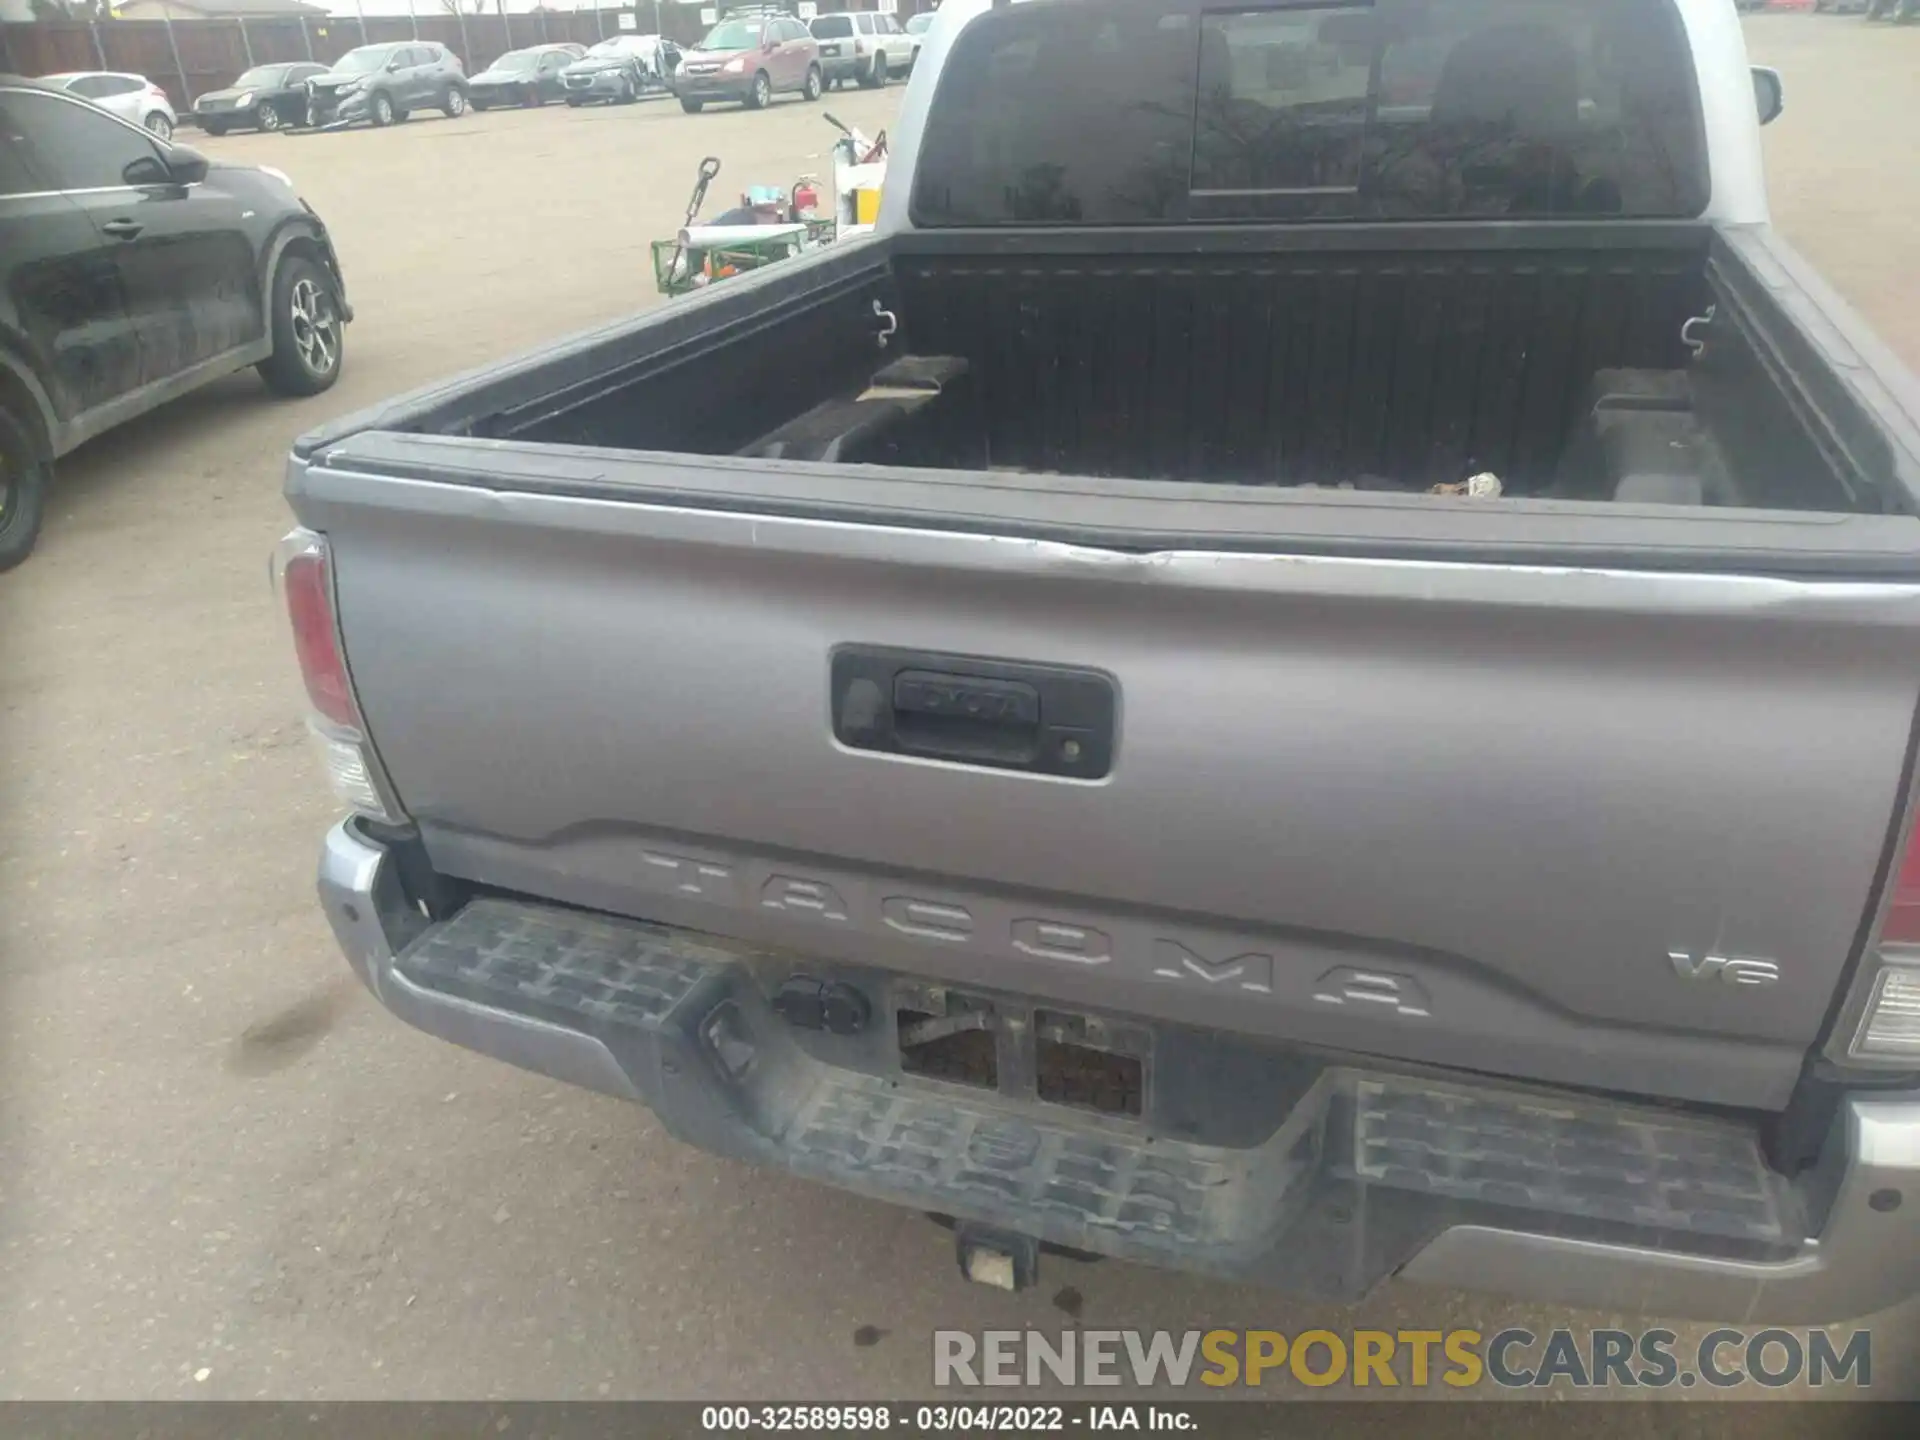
(1519, 819)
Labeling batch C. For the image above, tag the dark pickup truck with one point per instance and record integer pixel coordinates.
(1305, 667)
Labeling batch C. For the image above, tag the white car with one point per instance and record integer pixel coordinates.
(864, 46)
(131, 97)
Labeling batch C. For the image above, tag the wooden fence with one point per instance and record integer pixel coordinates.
(190, 57)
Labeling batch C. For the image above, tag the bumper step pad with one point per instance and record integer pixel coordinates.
(563, 966)
(1364, 1172)
(1598, 1163)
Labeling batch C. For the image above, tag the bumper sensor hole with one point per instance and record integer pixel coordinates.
(1070, 1069)
(957, 1046)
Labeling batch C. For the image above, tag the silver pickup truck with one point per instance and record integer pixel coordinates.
(1305, 667)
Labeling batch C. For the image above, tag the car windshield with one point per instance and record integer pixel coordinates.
(261, 77)
(832, 27)
(364, 61)
(732, 35)
(516, 62)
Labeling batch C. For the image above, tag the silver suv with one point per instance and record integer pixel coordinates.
(384, 83)
(862, 45)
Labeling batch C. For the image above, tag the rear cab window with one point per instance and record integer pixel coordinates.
(1092, 112)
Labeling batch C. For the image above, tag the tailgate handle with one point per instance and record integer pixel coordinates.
(966, 717)
(1009, 715)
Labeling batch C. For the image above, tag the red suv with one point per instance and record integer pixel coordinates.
(749, 59)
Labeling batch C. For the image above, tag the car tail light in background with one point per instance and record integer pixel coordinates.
(859, 47)
(303, 566)
(1887, 1032)
(157, 93)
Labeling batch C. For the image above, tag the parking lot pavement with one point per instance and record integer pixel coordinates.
(226, 1172)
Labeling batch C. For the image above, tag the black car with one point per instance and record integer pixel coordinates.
(132, 271)
(524, 77)
(620, 69)
(267, 97)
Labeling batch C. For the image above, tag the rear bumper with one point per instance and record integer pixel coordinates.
(1371, 1173)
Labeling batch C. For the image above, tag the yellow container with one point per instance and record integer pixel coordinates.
(866, 206)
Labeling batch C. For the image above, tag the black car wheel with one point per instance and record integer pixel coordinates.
(692, 107)
(306, 330)
(478, 104)
(813, 86)
(453, 104)
(269, 118)
(383, 109)
(214, 127)
(761, 95)
(23, 490)
(876, 73)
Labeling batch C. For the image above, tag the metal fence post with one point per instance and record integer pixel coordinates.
(99, 51)
(305, 38)
(506, 24)
(186, 90)
(245, 43)
(466, 47)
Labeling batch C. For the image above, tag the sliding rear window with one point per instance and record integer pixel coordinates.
(1117, 112)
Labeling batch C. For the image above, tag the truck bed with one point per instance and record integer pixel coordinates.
(1539, 355)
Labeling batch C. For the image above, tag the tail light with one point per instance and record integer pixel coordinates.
(1886, 1031)
(859, 47)
(304, 567)
(155, 91)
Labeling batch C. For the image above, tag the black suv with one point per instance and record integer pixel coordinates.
(131, 272)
